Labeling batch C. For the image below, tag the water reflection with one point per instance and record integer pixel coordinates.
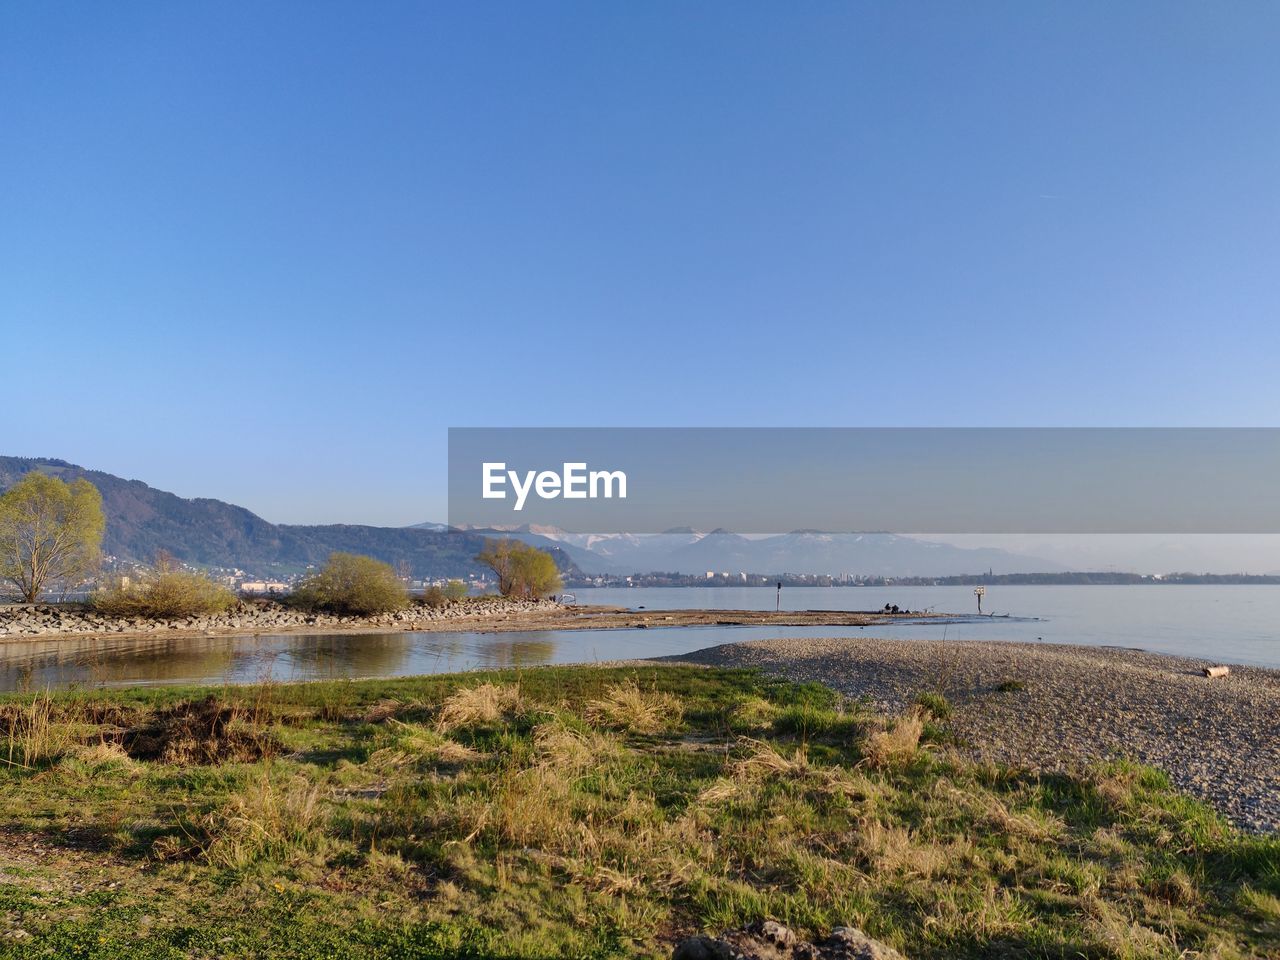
(216, 660)
(1231, 624)
(527, 650)
(206, 660)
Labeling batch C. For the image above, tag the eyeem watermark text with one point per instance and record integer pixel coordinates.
(574, 482)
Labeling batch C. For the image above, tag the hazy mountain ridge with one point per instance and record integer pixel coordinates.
(688, 551)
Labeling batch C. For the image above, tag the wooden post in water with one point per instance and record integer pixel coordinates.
(979, 592)
(777, 607)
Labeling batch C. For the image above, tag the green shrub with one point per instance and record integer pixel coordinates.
(935, 704)
(455, 591)
(351, 584)
(164, 591)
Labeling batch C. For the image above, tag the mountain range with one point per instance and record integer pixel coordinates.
(142, 521)
(689, 551)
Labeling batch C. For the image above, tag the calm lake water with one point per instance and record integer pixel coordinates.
(1230, 624)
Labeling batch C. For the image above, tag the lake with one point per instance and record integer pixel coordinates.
(1232, 624)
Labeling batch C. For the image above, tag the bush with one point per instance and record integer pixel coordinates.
(455, 591)
(164, 591)
(350, 584)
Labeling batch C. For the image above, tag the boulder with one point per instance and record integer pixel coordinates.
(850, 943)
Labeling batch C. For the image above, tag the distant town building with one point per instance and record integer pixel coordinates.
(263, 586)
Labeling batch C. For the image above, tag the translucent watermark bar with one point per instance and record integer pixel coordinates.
(901, 480)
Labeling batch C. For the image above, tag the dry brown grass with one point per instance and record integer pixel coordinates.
(382, 711)
(895, 850)
(1123, 936)
(265, 821)
(896, 745)
(1113, 787)
(763, 762)
(994, 813)
(988, 914)
(1177, 889)
(97, 755)
(625, 706)
(532, 807)
(33, 734)
(208, 731)
(487, 703)
(415, 743)
(570, 751)
(766, 761)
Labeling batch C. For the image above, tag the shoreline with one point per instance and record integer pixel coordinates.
(1058, 706)
(47, 622)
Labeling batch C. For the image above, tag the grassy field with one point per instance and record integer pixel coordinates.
(583, 812)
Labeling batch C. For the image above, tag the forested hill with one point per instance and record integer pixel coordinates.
(142, 520)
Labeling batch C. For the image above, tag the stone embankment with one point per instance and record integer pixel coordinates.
(484, 614)
(39, 621)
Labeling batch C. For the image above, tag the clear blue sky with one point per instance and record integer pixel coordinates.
(269, 252)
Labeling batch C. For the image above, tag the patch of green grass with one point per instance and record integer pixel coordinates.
(1010, 686)
(935, 704)
(590, 812)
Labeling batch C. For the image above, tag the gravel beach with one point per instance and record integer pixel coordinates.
(1218, 739)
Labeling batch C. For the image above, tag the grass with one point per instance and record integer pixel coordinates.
(583, 812)
(935, 704)
(31, 735)
(625, 706)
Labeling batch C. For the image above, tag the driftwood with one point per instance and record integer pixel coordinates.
(1216, 671)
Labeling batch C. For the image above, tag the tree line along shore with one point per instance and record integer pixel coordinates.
(50, 542)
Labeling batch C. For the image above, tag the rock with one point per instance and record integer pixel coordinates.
(769, 940)
(850, 943)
